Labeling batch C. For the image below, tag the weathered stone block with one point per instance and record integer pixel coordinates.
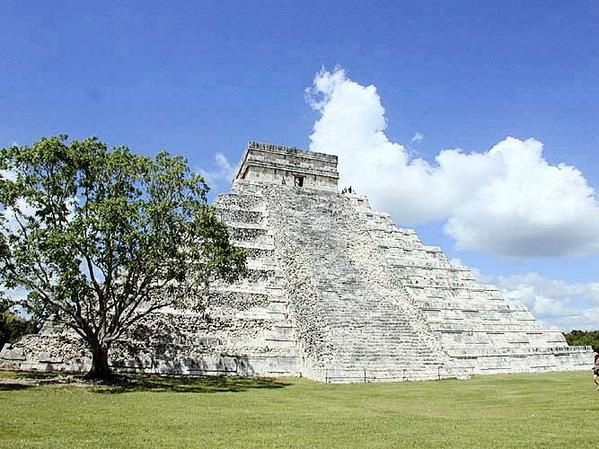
(10, 353)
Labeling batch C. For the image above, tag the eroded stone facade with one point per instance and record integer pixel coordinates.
(335, 292)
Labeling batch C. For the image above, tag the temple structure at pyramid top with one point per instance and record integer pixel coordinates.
(274, 164)
(335, 292)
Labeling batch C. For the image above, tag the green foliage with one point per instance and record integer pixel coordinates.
(100, 238)
(583, 338)
(548, 411)
(13, 327)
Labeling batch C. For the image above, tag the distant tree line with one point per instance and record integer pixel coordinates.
(583, 338)
(12, 326)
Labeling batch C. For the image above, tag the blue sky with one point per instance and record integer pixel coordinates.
(201, 78)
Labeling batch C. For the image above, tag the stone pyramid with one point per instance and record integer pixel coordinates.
(335, 292)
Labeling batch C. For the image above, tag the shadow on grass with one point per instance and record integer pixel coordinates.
(210, 384)
(22, 380)
(128, 383)
(33, 375)
(12, 386)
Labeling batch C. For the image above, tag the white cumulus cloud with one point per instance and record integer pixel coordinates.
(222, 173)
(567, 305)
(507, 200)
(9, 216)
(418, 137)
(9, 175)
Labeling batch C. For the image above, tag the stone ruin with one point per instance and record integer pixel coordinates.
(335, 292)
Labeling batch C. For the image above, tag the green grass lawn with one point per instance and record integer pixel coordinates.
(512, 411)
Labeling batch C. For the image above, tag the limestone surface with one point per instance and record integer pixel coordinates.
(335, 292)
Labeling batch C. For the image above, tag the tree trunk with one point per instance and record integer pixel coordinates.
(100, 369)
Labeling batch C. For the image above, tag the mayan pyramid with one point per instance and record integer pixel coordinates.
(335, 292)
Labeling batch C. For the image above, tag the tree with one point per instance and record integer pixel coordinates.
(101, 238)
(12, 326)
(583, 338)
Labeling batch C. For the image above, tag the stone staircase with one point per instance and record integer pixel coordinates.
(366, 330)
(267, 342)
